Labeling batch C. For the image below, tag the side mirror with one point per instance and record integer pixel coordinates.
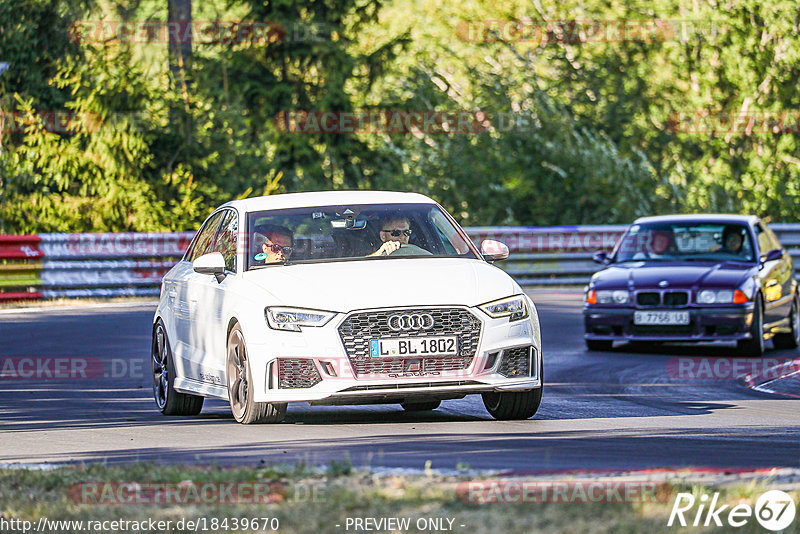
(600, 257)
(772, 255)
(212, 263)
(492, 250)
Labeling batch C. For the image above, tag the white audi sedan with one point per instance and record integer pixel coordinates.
(337, 298)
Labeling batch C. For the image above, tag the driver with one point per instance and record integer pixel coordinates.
(276, 246)
(661, 242)
(732, 239)
(395, 230)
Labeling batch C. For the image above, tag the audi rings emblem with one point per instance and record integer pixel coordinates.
(416, 321)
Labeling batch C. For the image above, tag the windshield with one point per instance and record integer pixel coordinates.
(356, 232)
(686, 242)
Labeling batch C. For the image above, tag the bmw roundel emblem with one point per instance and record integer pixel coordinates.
(663, 283)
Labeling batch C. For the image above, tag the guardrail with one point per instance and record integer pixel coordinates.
(48, 266)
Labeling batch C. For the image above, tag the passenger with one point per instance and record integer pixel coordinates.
(277, 243)
(395, 230)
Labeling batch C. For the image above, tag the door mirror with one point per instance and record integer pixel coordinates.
(212, 263)
(772, 255)
(492, 250)
(600, 257)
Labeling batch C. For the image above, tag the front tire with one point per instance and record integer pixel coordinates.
(239, 379)
(513, 404)
(792, 339)
(754, 347)
(420, 406)
(169, 401)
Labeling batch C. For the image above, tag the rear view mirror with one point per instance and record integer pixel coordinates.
(212, 263)
(600, 257)
(492, 250)
(349, 224)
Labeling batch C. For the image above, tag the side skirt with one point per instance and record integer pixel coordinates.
(187, 385)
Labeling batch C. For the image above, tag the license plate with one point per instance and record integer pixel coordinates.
(661, 317)
(414, 346)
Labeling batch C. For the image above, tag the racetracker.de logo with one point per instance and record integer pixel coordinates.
(60, 122)
(69, 368)
(382, 121)
(182, 493)
(743, 122)
(584, 31)
(701, 368)
(562, 491)
(213, 32)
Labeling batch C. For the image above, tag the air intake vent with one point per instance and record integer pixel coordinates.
(648, 299)
(676, 298)
(295, 373)
(516, 362)
(491, 360)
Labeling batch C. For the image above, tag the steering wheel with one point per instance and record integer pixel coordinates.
(410, 250)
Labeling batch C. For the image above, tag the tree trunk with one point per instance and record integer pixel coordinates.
(179, 28)
(179, 20)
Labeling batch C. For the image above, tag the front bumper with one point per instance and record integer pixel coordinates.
(730, 323)
(313, 366)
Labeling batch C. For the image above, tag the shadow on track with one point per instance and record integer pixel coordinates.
(521, 452)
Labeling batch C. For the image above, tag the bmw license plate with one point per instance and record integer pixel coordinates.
(660, 317)
(414, 346)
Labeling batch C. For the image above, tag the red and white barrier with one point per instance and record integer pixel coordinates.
(127, 264)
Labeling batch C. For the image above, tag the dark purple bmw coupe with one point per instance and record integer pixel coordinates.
(695, 278)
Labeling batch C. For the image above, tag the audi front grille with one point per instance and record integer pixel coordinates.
(358, 329)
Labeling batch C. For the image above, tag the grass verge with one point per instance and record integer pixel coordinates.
(300, 500)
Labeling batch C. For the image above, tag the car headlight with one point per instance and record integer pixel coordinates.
(617, 296)
(293, 319)
(721, 296)
(515, 308)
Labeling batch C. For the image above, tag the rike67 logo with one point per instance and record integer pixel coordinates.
(774, 510)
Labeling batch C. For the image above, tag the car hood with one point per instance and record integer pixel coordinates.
(650, 274)
(354, 285)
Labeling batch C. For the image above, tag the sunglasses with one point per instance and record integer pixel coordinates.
(287, 251)
(398, 233)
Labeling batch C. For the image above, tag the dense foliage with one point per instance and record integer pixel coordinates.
(574, 125)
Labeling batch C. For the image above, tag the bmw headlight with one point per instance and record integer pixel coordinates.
(721, 296)
(293, 319)
(618, 296)
(515, 308)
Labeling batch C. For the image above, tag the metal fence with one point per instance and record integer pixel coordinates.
(87, 265)
(48, 266)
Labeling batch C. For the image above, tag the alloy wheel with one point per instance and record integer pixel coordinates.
(237, 375)
(160, 367)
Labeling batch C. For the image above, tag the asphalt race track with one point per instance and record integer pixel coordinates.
(618, 410)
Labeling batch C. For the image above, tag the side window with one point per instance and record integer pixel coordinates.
(226, 239)
(764, 242)
(776, 244)
(452, 242)
(192, 244)
(205, 240)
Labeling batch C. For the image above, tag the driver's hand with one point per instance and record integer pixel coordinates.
(388, 247)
